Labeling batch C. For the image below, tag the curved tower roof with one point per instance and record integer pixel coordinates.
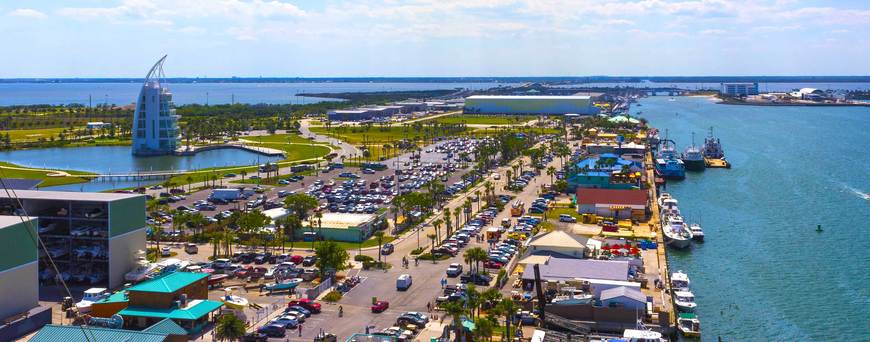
(155, 125)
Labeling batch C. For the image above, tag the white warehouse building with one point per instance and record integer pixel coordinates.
(536, 105)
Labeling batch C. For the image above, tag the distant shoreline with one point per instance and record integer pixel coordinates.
(792, 104)
(473, 79)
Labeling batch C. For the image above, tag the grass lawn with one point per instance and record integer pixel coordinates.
(376, 134)
(485, 119)
(371, 242)
(555, 212)
(283, 138)
(18, 135)
(43, 175)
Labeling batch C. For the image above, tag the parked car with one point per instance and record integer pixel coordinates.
(307, 304)
(567, 218)
(309, 260)
(380, 306)
(477, 279)
(273, 330)
(454, 270)
(287, 322)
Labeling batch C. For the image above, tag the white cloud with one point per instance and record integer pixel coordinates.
(28, 13)
(714, 32)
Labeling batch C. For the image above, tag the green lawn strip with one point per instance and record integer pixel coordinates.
(485, 119)
(556, 211)
(375, 134)
(371, 242)
(283, 138)
(18, 135)
(43, 175)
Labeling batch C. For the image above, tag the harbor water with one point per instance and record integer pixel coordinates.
(765, 273)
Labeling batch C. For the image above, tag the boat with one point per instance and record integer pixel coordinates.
(637, 335)
(572, 296)
(285, 285)
(689, 324)
(217, 278)
(142, 270)
(668, 164)
(697, 232)
(685, 301)
(672, 99)
(91, 296)
(233, 301)
(714, 156)
(675, 231)
(693, 158)
(680, 281)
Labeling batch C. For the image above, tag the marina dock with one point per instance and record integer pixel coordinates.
(656, 261)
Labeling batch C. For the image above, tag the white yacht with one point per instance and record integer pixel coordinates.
(697, 232)
(685, 301)
(572, 296)
(91, 296)
(677, 235)
(636, 335)
(142, 270)
(680, 281)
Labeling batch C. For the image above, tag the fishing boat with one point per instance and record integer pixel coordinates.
(91, 296)
(284, 285)
(233, 301)
(714, 156)
(685, 301)
(142, 270)
(680, 281)
(697, 232)
(675, 231)
(689, 324)
(668, 164)
(693, 158)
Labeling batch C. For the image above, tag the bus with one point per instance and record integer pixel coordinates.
(518, 208)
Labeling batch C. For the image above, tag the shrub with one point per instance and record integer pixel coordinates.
(418, 251)
(363, 258)
(332, 296)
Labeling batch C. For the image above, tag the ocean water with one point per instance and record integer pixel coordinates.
(764, 273)
(213, 93)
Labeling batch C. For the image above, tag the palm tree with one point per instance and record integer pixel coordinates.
(379, 235)
(509, 174)
(507, 308)
(457, 213)
(156, 232)
(229, 327)
(468, 257)
(437, 224)
(550, 172)
(477, 194)
(478, 255)
(455, 310)
(432, 251)
(244, 174)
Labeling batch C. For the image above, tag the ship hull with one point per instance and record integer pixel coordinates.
(694, 165)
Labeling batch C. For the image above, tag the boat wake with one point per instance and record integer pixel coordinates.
(859, 193)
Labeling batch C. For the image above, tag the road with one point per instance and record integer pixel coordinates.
(426, 276)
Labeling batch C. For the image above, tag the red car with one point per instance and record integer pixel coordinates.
(308, 304)
(296, 259)
(492, 264)
(380, 306)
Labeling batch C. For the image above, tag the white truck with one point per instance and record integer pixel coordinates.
(227, 195)
(403, 282)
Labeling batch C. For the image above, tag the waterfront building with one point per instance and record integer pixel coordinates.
(618, 203)
(155, 125)
(345, 227)
(531, 105)
(811, 94)
(179, 296)
(739, 89)
(91, 237)
(75, 333)
(18, 265)
(556, 241)
(625, 297)
(606, 171)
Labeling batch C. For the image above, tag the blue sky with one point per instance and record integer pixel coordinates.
(220, 38)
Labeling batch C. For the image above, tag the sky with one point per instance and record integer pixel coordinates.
(392, 38)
